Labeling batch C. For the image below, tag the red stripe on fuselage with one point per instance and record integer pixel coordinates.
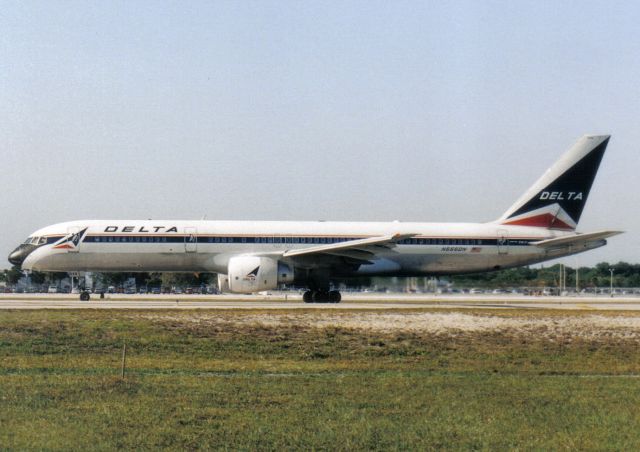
(541, 221)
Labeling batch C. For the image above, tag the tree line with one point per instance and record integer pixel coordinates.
(624, 275)
(13, 275)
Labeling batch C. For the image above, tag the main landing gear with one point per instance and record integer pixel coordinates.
(321, 296)
(84, 296)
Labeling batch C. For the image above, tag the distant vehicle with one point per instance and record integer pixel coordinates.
(499, 291)
(476, 291)
(130, 291)
(188, 291)
(155, 290)
(52, 289)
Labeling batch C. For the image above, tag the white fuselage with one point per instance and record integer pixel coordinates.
(207, 246)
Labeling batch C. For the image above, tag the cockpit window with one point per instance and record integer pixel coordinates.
(35, 241)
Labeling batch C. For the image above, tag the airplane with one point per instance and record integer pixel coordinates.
(255, 256)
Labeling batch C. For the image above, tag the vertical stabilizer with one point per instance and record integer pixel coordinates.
(557, 199)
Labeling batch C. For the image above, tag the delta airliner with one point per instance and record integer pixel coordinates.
(253, 256)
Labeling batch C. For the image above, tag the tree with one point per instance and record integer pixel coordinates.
(13, 275)
(38, 277)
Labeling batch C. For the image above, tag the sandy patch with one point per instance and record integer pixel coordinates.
(584, 326)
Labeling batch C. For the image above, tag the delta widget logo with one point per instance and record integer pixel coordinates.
(71, 241)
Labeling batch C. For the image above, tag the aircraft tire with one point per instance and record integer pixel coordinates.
(320, 296)
(334, 296)
(307, 297)
(84, 296)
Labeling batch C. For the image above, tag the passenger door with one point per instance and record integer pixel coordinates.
(190, 239)
(503, 241)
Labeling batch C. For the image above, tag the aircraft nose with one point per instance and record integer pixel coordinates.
(18, 255)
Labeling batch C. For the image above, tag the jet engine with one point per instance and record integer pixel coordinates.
(256, 273)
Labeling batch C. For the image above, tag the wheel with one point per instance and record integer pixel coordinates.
(334, 296)
(84, 296)
(320, 296)
(307, 297)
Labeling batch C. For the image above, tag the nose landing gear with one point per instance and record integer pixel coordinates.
(321, 296)
(85, 296)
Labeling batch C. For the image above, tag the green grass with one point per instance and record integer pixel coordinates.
(234, 385)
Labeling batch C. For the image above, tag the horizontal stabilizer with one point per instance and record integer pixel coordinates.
(576, 239)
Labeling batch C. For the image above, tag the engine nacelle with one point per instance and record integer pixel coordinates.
(255, 274)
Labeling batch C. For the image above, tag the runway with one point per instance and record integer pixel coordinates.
(294, 302)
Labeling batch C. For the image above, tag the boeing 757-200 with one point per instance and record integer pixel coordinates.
(253, 256)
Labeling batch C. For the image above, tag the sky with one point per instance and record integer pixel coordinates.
(307, 110)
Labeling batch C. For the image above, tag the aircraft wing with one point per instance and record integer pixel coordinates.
(575, 239)
(359, 250)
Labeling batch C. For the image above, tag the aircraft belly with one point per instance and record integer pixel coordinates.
(439, 263)
(124, 262)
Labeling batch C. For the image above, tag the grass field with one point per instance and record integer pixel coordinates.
(273, 380)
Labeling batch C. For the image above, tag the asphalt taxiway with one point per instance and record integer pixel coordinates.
(350, 302)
